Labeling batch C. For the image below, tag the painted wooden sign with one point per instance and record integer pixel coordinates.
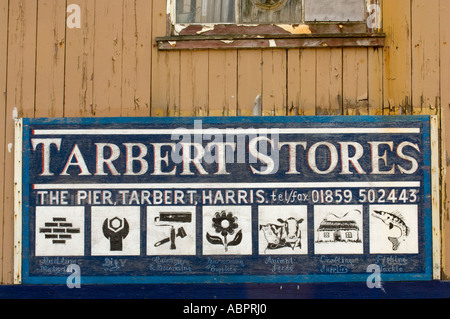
(232, 200)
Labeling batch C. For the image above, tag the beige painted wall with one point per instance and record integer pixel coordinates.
(112, 67)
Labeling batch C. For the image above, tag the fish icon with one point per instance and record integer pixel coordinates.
(392, 220)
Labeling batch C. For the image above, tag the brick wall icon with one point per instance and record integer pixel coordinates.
(58, 230)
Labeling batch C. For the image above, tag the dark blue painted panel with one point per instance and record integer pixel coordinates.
(226, 200)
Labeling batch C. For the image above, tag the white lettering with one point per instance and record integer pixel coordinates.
(376, 157)
(412, 160)
(333, 157)
(293, 155)
(271, 166)
(79, 162)
(346, 159)
(140, 158)
(101, 160)
(199, 152)
(158, 160)
(220, 155)
(46, 143)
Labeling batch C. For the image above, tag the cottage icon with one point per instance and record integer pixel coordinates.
(339, 228)
(338, 231)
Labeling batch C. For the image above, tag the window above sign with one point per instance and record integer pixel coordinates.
(269, 23)
(268, 11)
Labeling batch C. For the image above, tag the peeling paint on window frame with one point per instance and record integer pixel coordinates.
(181, 36)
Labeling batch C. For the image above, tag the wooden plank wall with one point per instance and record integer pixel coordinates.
(111, 67)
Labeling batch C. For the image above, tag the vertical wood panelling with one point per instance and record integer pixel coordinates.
(329, 81)
(274, 86)
(187, 89)
(172, 69)
(425, 56)
(397, 65)
(22, 57)
(3, 148)
(222, 82)
(50, 53)
(20, 100)
(354, 82)
(79, 65)
(375, 81)
(308, 82)
(194, 83)
(293, 81)
(107, 90)
(200, 80)
(160, 78)
(249, 82)
(444, 46)
(136, 63)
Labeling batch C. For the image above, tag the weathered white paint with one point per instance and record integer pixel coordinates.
(206, 28)
(435, 197)
(18, 142)
(296, 29)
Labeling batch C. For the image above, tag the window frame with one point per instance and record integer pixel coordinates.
(241, 36)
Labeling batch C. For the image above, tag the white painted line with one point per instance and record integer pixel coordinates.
(225, 185)
(229, 131)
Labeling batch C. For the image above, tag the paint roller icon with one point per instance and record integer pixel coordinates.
(173, 217)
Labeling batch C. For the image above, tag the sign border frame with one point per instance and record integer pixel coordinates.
(431, 186)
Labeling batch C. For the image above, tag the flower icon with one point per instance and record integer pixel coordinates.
(225, 224)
